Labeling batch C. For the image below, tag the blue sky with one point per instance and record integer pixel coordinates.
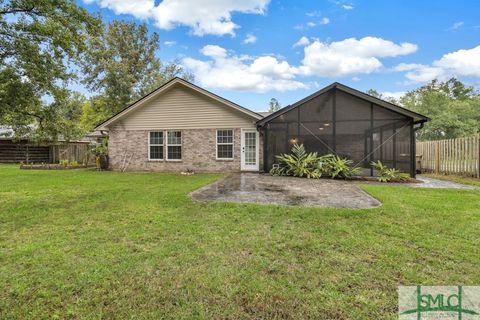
(252, 50)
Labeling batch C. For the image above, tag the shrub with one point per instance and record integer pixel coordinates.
(298, 163)
(101, 148)
(386, 174)
(74, 163)
(338, 168)
(64, 162)
(101, 153)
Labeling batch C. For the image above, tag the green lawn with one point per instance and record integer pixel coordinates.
(91, 245)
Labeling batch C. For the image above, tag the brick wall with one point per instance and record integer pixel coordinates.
(129, 148)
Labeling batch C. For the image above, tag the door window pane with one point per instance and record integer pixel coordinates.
(250, 148)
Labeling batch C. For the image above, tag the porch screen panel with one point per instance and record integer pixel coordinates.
(316, 124)
(394, 145)
(353, 129)
(276, 137)
(353, 141)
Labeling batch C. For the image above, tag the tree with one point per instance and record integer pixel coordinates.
(274, 105)
(376, 94)
(62, 117)
(453, 107)
(122, 66)
(94, 112)
(39, 41)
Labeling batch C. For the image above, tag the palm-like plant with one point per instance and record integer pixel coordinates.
(338, 168)
(386, 174)
(299, 163)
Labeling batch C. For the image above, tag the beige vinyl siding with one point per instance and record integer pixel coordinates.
(180, 107)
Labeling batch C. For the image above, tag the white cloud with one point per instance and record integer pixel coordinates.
(270, 66)
(306, 26)
(203, 17)
(138, 8)
(250, 38)
(464, 62)
(314, 13)
(312, 24)
(170, 43)
(225, 70)
(350, 56)
(424, 73)
(347, 6)
(213, 51)
(407, 66)
(457, 25)
(303, 41)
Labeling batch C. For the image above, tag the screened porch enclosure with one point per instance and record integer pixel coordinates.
(340, 123)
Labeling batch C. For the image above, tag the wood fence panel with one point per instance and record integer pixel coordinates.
(15, 153)
(451, 156)
(73, 151)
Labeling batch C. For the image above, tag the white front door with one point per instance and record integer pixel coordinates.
(250, 147)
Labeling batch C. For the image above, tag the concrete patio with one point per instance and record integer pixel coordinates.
(262, 188)
(324, 193)
(428, 182)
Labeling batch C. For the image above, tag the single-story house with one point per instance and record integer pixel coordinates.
(181, 126)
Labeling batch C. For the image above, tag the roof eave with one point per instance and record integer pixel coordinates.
(382, 103)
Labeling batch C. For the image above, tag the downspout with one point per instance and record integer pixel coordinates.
(414, 148)
(422, 124)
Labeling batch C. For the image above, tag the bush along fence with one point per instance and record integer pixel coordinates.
(459, 156)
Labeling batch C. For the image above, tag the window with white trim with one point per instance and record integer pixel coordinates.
(155, 145)
(225, 144)
(174, 145)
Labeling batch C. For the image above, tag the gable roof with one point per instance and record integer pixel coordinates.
(264, 113)
(166, 86)
(417, 117)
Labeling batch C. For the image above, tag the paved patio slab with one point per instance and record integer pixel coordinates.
(262, 188)
(438, 183)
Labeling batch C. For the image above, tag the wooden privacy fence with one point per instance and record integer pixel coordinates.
(22, 151)
(453, 156)
(72, 151)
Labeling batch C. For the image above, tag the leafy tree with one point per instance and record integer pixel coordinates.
(376, 94)
(39, 41)
(63, 116)
(94, 111)
(453, 107)
(274, 105)
(122, 66)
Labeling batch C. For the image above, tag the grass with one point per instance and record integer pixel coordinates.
(82, 244)
(459, 179)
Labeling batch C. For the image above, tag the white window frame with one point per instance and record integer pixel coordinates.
(230, 143)
(174, 145)
(158, 145)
